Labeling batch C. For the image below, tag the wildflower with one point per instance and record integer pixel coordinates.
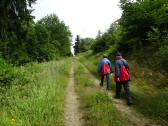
(13, 121)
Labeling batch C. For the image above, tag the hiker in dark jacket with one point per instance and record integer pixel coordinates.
(104, 69)
(120, 62)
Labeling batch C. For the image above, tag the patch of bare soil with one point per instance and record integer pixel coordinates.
(72, 115)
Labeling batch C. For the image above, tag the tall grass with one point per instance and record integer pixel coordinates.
(150, 93)
(96, 106)
(149, 88)
(39, 102)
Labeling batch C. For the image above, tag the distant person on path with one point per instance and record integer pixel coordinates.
(104, 69)
(122, 77)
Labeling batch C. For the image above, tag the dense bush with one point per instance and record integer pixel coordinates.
(163, 60)
(11, 75)
(85, 44)
(7, 74)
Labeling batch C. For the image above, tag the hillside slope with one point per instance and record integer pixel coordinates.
(149, 88)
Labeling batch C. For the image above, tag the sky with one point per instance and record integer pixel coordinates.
(84, 17)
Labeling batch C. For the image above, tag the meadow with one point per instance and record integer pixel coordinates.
(35, 96)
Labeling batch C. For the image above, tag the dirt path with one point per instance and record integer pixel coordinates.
(72, 115)
(134, 118)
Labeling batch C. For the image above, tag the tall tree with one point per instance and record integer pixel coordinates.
(85, 44)
(141, 18)
(60, 35)
(15, 15)
(77, 42)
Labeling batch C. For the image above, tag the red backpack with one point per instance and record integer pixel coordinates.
(124, 74)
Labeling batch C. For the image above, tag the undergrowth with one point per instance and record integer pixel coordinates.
(36, 94)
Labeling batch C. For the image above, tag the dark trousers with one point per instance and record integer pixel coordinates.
(126, 88)
(108, 80)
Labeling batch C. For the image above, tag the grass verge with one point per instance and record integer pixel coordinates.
(39, 102)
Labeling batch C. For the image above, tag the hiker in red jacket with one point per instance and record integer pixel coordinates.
(122, 77)
(104, 69)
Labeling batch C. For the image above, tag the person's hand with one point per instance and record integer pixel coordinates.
(118, 79)
(111, 71)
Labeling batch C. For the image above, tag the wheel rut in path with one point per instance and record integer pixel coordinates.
(72, 115)
(134, 118)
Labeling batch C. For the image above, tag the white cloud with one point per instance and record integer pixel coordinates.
(84, 17)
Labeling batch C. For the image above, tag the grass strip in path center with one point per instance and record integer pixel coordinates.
(97, 108)
(72, 115)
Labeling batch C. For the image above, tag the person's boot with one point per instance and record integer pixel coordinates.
(117, 97)
(129, 102)
(108, 89)
(101, 85)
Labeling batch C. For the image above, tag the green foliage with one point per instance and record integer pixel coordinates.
(76, 46)
(145, 30)
(163, 60)
(112, 51)
(43, 41)
(60, 36)
(23, 41)
(11, 75)
(101, 43)
(14, 23)
(154, 106)
(141, 33)
(108, 39)
(15, 16)
(37, 41)
(7, 74)
(140, 18)
(85, 44)
(92, 59)
(36, 95)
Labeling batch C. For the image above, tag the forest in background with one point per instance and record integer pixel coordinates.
(22, 40)
(141, 34)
